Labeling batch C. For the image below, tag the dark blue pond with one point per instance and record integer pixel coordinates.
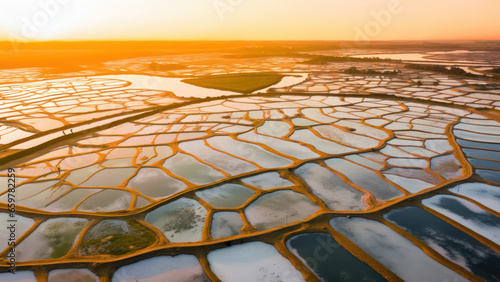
(449, 241)
(490, 175)
(484, 163)
(482, 154)
(453, 205)
(329, 260)
(481, 145)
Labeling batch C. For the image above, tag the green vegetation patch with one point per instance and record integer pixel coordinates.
(354, 70)
(61, 235)
(319, 59)
(237, 82)
(116, 237)
(441, 69)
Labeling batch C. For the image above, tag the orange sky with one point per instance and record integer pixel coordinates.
(40, 20)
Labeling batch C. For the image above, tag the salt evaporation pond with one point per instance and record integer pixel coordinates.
(261, 187)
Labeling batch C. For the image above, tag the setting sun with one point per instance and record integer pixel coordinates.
(42, 20)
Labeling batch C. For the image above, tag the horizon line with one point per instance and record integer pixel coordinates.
(244, 40)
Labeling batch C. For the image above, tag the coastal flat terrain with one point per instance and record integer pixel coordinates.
(279, 161)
